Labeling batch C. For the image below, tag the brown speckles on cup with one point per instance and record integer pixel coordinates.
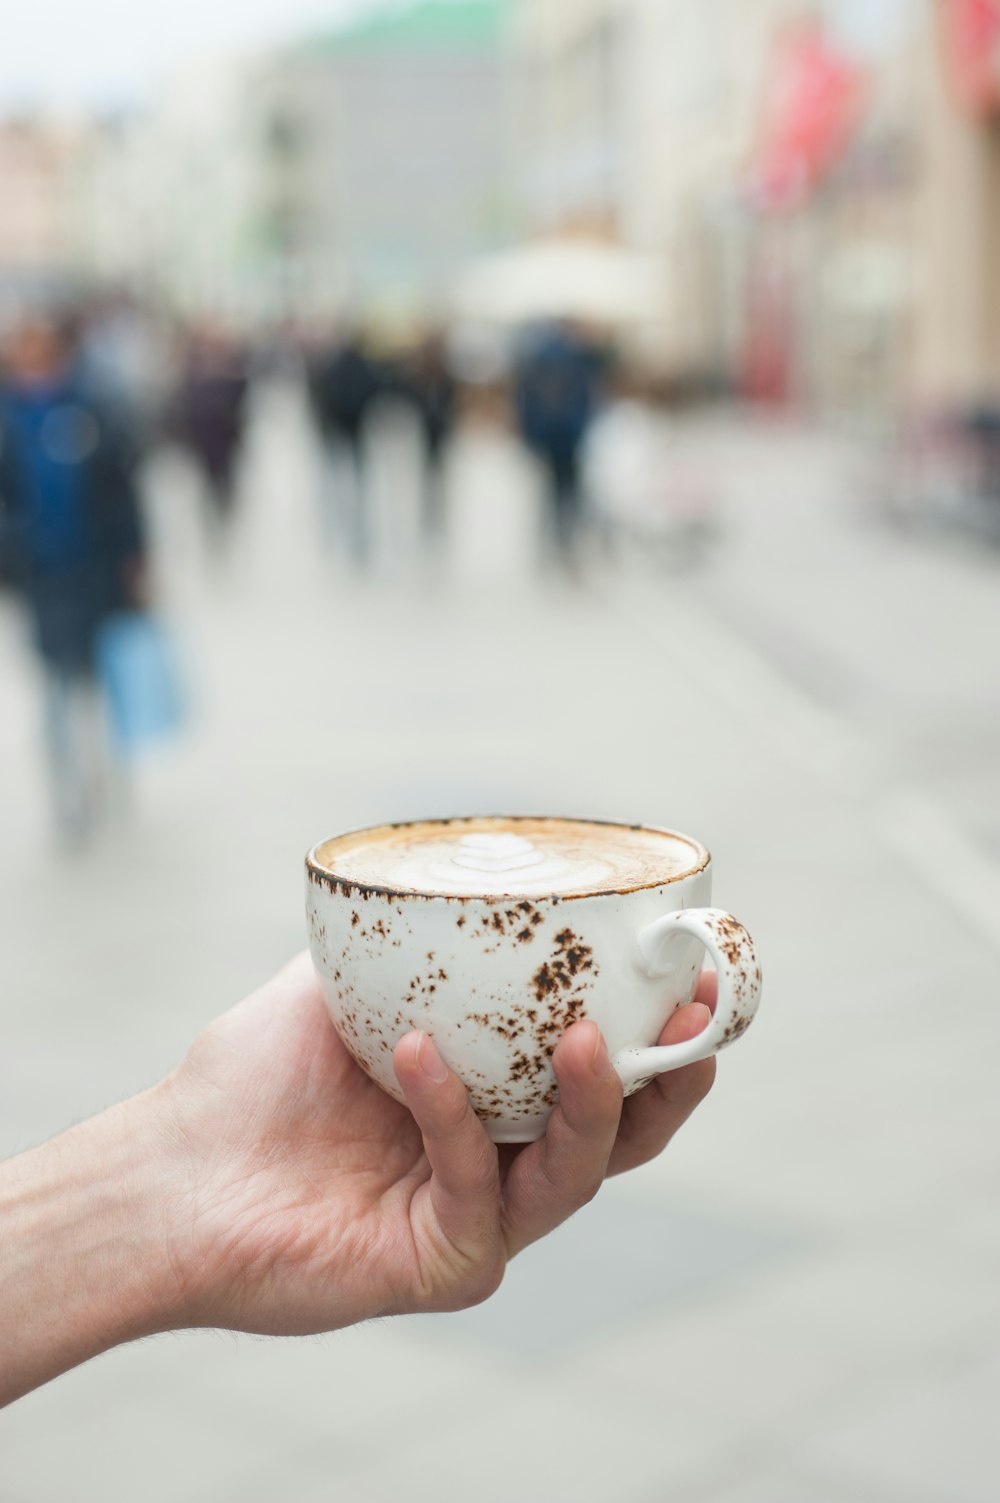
(497, 979)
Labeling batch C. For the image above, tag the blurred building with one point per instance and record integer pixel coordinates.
(955, 331)
(168, 204)
(38, 162)
(359, 167)
(388, 166)
(818, 181)
(824, 201)
(646, 118)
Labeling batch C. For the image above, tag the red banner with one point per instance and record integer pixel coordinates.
(813, 99)
(972, 45)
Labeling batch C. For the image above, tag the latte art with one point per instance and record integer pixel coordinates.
(517, 857)
(497, 861)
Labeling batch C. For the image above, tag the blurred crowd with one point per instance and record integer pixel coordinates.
(88, 394)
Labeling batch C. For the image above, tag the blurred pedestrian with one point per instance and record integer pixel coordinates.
(557, 384)
(210, 412)
(343, 385)
(431, 388)
(124, 362)
(71, 545)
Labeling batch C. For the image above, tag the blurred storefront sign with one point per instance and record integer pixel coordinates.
(813, 100)
(971, 33)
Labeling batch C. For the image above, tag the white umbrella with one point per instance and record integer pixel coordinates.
(563, 279)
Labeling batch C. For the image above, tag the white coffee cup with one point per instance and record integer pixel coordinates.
(497, 978)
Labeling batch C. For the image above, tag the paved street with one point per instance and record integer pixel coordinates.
(798, 1303)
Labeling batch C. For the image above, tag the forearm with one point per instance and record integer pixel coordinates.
(84, 1248)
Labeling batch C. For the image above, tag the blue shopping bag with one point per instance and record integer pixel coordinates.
(138, 668)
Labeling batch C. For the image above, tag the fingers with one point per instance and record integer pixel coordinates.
(589, 1135)
(552, 1178)
(652, 1116)
(707, 992)
(464, 1186)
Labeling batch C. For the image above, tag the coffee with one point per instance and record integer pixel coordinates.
(522, 857)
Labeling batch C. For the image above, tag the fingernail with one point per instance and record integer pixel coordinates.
(430, 1060)
(600, 1063)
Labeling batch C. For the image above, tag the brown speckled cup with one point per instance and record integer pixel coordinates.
(496, 977)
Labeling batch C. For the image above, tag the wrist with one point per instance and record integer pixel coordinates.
(86, 1248)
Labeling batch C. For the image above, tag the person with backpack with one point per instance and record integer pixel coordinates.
(71, 547)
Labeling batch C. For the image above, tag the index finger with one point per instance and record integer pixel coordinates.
(465, 1179)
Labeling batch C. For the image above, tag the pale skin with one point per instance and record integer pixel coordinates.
(268, 1185)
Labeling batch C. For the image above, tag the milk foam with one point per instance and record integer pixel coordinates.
(526, 857)
(493, 862)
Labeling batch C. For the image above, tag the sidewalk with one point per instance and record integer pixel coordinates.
(797, 1303)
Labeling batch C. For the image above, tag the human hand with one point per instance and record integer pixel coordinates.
(268, 1185)
(302, 1198)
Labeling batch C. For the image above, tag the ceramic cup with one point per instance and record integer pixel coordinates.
(497, 979)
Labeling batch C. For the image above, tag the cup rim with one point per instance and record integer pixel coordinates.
(319, 871)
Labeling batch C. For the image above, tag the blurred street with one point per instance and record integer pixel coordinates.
(798, 1303)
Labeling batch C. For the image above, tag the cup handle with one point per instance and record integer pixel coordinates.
(732, 950)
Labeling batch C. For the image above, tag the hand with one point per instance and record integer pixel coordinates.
(268, 1185)
(303, 1198)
